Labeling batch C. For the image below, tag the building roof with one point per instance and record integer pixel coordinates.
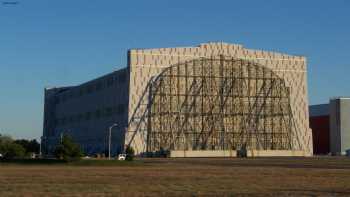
(339, 97)
(319, 110)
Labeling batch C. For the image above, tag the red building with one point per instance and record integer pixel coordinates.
(319, 123)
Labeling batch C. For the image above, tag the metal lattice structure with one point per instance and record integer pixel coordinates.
(219, 104)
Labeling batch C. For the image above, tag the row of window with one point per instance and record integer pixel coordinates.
(91, 115)
(90, 88)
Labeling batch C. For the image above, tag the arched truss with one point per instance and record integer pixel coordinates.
(219, 104)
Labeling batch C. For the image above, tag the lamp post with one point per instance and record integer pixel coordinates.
(109, 139)
(42, 138)
(62, 134)
(61, 138)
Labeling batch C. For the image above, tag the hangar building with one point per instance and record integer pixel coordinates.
(331, 127)
(210, 100)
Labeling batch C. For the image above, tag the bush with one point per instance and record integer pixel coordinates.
(129, 153)
(68, 150)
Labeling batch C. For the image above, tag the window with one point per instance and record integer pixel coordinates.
(69, 95)
(63, 98)
(90, 89)
(109, 111)
(63, 121)
(57, 99)
(120, 109)
(109, 81)
(75, 118)
(99, 86)
(71, 119)
(79, 117)
(122, 77)
(81, 92)
(98, 114)
(87, 116)
(75, 93)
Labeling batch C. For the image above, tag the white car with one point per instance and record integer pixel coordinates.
(121, 157)
(0, 155)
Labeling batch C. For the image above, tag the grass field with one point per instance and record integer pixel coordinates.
(324, 176)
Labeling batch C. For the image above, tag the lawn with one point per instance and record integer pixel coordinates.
(181, 177)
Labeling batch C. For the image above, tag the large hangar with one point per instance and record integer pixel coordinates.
(219, 104)
(212, 100)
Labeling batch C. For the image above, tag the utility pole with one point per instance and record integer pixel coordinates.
(109, 139)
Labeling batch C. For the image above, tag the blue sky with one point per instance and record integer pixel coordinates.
(66, 42)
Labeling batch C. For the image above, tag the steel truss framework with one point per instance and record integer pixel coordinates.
(219, 104)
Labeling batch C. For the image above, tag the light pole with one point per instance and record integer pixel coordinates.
(42, 138)
(109, 139)
(61, 138)
(64, 134)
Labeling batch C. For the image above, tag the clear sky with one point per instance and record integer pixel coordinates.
(66, 42)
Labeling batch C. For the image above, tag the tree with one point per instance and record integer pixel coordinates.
(129, 153)
(12, 150)
(5, 138)
(30, 146)
(9, 149)
(68, 150)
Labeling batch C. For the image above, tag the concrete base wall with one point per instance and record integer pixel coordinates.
(276, 153)
(233, 153)
(204, 153)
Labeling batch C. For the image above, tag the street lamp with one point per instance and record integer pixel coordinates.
(42, 138)
(109, 140)
(62, 134)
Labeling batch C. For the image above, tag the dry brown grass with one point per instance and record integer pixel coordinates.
(183, 177)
